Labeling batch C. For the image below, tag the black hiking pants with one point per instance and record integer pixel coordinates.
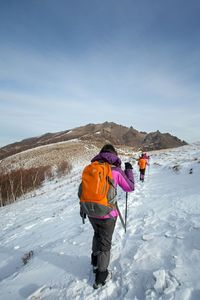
(102, 240)
(142, 173)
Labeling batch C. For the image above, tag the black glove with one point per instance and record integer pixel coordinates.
(82, 214)
(128, 166)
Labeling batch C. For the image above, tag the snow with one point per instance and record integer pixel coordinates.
(157, 258)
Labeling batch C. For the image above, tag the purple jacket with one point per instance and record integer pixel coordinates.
(124, 179)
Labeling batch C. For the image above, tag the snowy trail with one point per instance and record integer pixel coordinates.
(158, 257)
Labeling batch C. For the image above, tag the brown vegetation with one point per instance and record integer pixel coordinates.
(17, 183)
(27, 256)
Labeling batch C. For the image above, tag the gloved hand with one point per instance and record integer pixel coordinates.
(128, 166)
(82, 214)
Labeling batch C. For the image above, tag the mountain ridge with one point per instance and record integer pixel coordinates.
(107, 132)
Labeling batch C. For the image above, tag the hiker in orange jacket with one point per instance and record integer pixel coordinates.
(142, 163)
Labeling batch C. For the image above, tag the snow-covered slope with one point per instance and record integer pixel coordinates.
(158, 257)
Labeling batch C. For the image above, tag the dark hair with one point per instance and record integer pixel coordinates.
(108, 148)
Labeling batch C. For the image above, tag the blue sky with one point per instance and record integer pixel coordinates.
(64, 64)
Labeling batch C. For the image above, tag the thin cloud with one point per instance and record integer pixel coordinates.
(138, 67)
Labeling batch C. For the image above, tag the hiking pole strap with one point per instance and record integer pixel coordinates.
(120, 216)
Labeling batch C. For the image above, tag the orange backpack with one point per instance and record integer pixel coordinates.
(97, 190)
(142, 163)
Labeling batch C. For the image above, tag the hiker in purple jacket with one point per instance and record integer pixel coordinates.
(104, 225)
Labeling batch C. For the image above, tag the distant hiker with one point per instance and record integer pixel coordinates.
(145, 156)
(142, 163)
(191, 171)
(98, 202)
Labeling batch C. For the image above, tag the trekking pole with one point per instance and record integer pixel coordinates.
(126, 210)
(120, 216)
(83, 219)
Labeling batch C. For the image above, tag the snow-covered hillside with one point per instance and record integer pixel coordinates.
(157, 258)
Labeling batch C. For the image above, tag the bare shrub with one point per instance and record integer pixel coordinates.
(63, 168)
(27, 256)
(19, 182)
(176, 168)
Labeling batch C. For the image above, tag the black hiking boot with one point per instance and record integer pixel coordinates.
(101, 278)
